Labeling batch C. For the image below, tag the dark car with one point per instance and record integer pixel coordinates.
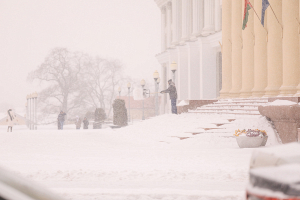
(274, 183)
(13, 187)
(275, 173)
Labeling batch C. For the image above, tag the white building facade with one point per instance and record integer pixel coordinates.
(191, 36)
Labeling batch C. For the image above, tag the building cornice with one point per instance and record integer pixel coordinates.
(160, 3)
(163, 57)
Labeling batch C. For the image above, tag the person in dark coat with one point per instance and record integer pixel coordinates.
(78, 122)
(173, 95)
(61, 120)
(85, 123)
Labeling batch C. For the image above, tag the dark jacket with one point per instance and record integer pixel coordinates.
(61, 117)
(171, 90)
(85, 124)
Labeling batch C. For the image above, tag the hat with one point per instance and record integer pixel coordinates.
(170, 80)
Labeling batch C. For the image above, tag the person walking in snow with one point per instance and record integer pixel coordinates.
(78, 122)
(173, 95)
(61, 120)
(85, 123)
(11, 118)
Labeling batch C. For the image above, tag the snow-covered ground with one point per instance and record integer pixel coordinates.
(182, 157)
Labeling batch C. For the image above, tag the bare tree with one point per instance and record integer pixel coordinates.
(61, 72)
(101, 78)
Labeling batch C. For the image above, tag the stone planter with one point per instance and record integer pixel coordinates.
(251, 142)
(264, 141)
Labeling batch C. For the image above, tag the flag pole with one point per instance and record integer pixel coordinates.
(255, 12)
(275, 16)
(257, 15)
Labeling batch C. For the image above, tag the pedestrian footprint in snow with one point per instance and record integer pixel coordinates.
(78, 122)
(85, 123)
(61, 120)
(11, 118)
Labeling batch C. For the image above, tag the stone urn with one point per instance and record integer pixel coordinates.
(251, 142)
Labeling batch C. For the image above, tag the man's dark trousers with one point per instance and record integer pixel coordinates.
(174, 107)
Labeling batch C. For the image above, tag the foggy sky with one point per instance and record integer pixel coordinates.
(128, 30)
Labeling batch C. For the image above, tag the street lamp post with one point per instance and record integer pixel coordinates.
(129, 86)
(157, 103)
(173, 68)
(156, 76)
(34, 97)
(30, 111)
(143, 82)
(119, 92)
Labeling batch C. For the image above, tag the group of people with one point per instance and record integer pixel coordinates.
(61, 120)
(78, 123)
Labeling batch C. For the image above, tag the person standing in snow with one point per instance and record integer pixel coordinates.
(85, 123)
(78, 122)
(11, 118)
(61, 120)
(173, 95)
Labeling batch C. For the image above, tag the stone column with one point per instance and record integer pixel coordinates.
(186, 20)
(189, 18)
(183, 21)
(163, 28)
(176, 21)
(182, 86)
(248, 56)
(194, 70)
(226, 49)
(260, 54)
(209, 18)
(298, 87)
(198, 16)
(236, 35)
(218, 16)
(169, 23)
(290, 48)
(274, 49)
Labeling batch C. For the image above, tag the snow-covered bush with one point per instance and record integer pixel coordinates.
(120, 113)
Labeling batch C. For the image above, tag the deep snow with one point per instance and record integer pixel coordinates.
(187, 156)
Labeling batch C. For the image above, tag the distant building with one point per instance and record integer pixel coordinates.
(191, 36)
(19, 120)
(136, 107)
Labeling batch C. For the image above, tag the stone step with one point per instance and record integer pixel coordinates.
(239, 102)
(231, 105)
(242, 99)
(230, 109)
(226, 113)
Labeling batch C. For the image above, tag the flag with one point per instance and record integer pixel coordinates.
(248, 6)
(265, 5)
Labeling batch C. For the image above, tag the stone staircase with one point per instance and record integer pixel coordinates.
(232, 106)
